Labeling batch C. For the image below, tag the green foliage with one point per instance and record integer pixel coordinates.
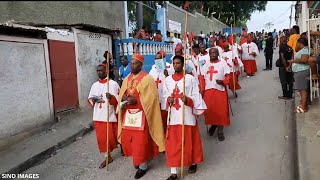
(224, 9)
(148, 14)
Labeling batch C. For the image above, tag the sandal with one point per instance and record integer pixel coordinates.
(300, 110)
(104, 163)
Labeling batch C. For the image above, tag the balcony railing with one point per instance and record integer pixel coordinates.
(126, 47)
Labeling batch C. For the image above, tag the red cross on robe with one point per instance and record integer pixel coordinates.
(176, 95)
(100, 107)
(211, 71)
(158, 81)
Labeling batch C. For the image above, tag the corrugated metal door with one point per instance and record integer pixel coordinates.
(64, 75)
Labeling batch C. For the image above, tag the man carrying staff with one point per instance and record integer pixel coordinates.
(215, 77)
(140, 129)
(194, 105)
(227, 55)
(98, 99)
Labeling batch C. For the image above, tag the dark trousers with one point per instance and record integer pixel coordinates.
(286, 79)
(269, 61)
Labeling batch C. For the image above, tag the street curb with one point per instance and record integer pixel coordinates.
(295, 142)
(46, 154)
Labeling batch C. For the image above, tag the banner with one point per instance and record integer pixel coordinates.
(174, 27)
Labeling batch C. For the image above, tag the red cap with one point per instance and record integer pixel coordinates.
(138, 57)
(179, 46)
(163, 54)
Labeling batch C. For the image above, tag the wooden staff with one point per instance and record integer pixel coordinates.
(107, 151)
(234, 69)
(184, 90)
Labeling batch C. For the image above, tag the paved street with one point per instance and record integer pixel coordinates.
(258, 145)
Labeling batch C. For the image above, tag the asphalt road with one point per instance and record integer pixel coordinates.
(258, 145)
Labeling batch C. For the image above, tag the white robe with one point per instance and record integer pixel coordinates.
(100, 89)
(192, 91)
(155, 74)
(219, 71)
(228, 58)
(248, 48)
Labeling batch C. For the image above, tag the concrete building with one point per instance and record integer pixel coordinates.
(108, 14)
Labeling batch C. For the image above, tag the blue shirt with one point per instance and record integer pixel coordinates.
(274, 34)
(296, 67)
(124, 71)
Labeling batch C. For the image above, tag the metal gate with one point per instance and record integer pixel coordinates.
(64, 75)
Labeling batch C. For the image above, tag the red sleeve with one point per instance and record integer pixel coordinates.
(189, 102)
(113, 101)
(227, 79)
(202, 82)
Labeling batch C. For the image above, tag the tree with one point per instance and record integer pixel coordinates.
(224, 10)
(148, 14)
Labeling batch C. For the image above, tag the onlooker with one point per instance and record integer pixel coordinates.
(268, 52)
(142, 34)
(124, 69)
(158, 36)
(286, 77)
(294, 36)
(274, 36)
(301, 71)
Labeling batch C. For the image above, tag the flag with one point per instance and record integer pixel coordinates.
(186, 5)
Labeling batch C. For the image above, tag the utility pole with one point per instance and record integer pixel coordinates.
(291, 14)
(139, 14)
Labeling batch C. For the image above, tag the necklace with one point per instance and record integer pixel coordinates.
(133, 83)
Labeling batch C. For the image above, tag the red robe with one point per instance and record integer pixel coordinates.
(236, 82)
(193, 153)
(138, 143)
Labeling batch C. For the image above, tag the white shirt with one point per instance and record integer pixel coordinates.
(192, 91)
(100, 109)
(248, 48)
(215, 71)
(159, 78)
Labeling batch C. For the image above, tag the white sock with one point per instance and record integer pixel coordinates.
(143, 166)
(173, 170)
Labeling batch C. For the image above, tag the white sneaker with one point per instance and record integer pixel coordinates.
(248, 76)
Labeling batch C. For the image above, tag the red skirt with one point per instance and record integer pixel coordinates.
(192, 146)
(101, 133)
(139, 145)
(236, 82)
(250, 67)
(164, 115)
(217, 112)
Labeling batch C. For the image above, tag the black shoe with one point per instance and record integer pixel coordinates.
(140, 173)
(173, 177)
(236, 95)
(270, 68)
(283, 97)
(266, 69)
(192, 169)
(122, 154)
(212, 130)
(221, 136)
(136, 167)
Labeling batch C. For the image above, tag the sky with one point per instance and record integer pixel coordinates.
(277, 12)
